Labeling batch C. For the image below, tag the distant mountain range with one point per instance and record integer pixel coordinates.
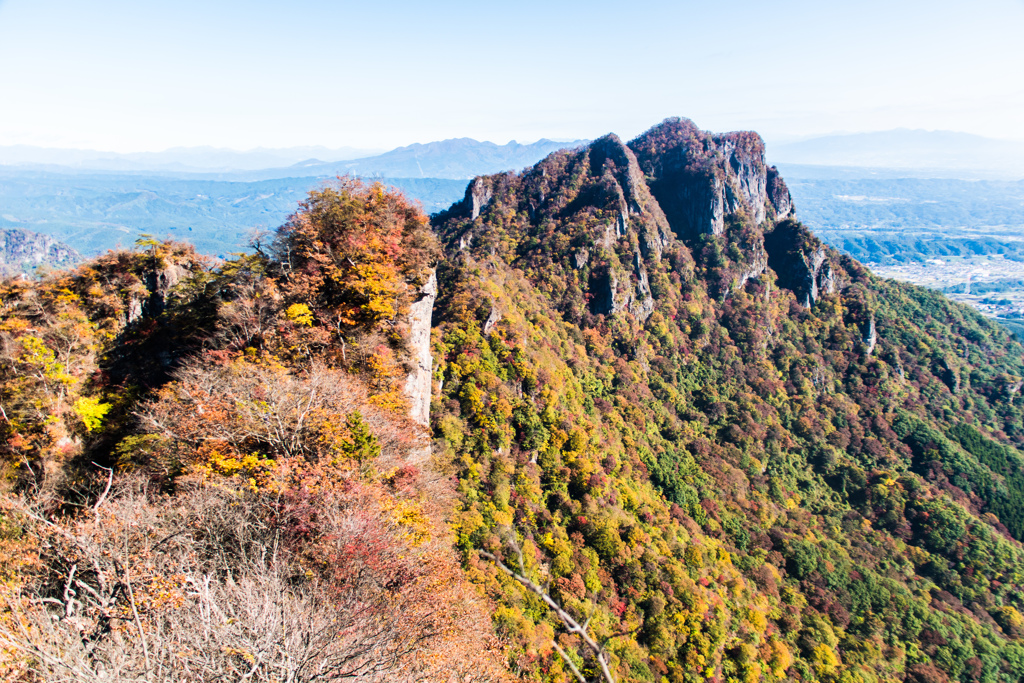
(96, 209)
(174, 160)
(932, 153)
(461, 158)
(893, 153)
(215, 198)
(95, 212)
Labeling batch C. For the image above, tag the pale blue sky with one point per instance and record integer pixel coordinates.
(144, 75)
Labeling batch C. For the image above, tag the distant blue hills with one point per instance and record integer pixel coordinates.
(175, 160)
(216, 198)
(92, 209)
(462, 158)
(95, 212)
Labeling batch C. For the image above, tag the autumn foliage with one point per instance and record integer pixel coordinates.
(354, 254)
(209, 470)
(718, 474)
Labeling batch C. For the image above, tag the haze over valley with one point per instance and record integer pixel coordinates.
(933, 208)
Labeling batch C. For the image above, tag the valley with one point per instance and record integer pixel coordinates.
(991, 284)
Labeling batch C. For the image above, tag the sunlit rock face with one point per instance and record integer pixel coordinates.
(417, 385)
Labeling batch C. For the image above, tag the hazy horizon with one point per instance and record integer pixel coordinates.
(777, 140)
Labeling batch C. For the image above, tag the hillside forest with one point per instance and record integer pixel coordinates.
(656, 431)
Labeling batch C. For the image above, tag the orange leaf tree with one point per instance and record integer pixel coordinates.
(353, 253)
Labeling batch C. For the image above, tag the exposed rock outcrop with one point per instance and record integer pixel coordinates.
(617, 208)
(493, 318)
(778, 195)
(22, 251)
(870, 335)
(818, 277)
(159, 281)
(630, 197)
(581, 258)
(478, 195)
(757, 266)
(613, 294)
(802, 263)
(699, 178)
(417, 384)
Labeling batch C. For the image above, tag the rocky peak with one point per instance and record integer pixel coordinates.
(607, 213)
(699, 178)
(478, 195)
(616, 164)
(160, 279)
(778, 195)
(417, 384)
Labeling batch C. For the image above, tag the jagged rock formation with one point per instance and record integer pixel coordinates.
(620, 174)
(678, 428)
(417, 385)
(673, 183)
(779, 195)
(22, 251)
(801, 261)
(700, 178)
(160, 280)
(870, 336)
(478, 194)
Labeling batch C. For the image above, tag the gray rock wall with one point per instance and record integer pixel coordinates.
(22, 251)
(699, 178)
(418, 383)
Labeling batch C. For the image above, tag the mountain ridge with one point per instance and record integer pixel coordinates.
(23, 253)
(440, 158)
(202, 159)
(687, 430)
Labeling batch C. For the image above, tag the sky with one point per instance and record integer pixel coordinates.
(131, 76)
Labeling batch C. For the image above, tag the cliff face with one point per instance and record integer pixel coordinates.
(802, 262)
(700, 178)
(610, 210)
(417, 384)
(22, 251)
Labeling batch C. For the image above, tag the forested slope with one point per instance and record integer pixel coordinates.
(208, 469)
(740, 454)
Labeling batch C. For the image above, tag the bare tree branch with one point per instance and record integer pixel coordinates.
(571, 625)
(106, 491)
(572, 665)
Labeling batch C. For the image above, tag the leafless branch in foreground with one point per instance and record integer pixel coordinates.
(571, 625)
